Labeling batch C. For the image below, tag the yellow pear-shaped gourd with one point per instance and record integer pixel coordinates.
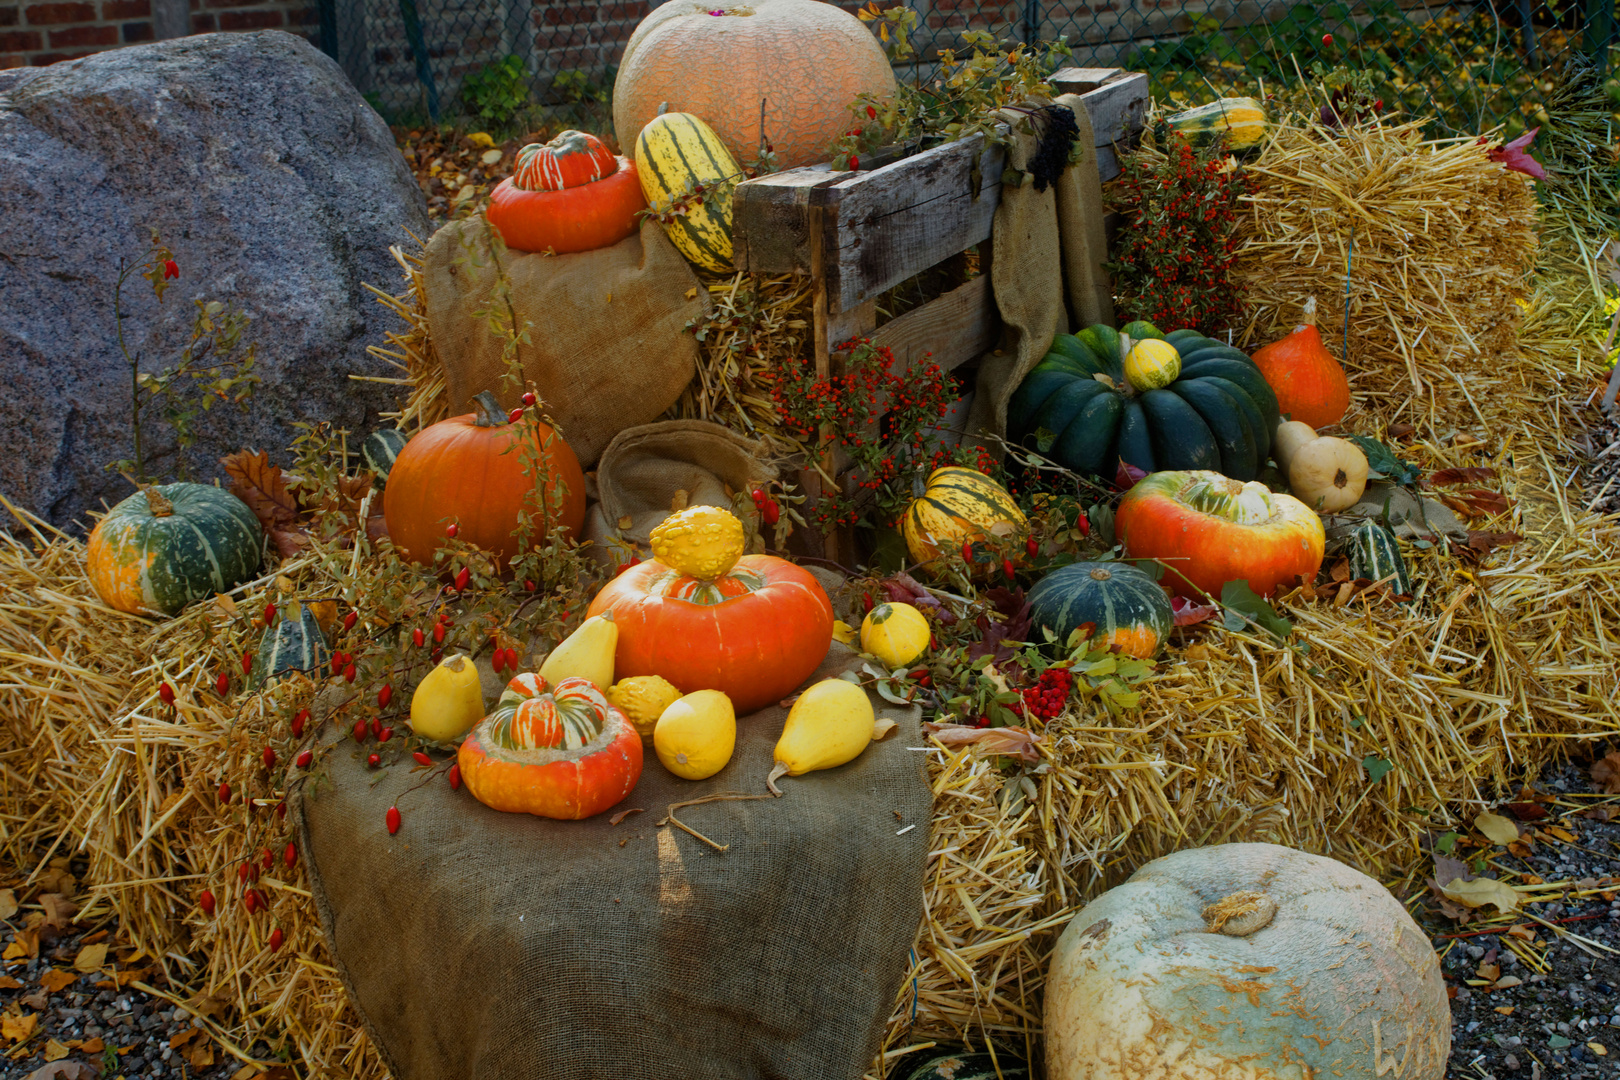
(895, 633)
(643, 698)
(700, 541)
(829, 725)
(695, 736)
(587, 653)
(449, 701)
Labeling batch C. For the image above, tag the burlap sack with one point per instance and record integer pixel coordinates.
(1047, 272)
(644, 467)
(608, 347)
(477, 945)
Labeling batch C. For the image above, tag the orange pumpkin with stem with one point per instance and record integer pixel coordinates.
(753, 627)
(470, 471)
(1310, 385)
(570, 194)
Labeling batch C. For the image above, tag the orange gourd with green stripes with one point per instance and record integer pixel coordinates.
(687, 176)
(958, 505)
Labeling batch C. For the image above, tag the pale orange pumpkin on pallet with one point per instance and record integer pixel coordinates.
(804, 60)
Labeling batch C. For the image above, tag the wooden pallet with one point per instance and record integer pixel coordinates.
(859, 234)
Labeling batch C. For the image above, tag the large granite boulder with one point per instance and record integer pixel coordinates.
(276, 186)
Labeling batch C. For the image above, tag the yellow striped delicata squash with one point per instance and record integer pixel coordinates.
(676, 155)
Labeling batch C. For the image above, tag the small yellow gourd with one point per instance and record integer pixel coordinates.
(1328, 474)
(895, 633)
(449, 701)
(587, 653)
(1289, 438)
(643, 698)
(1152, 364)
(695, 736)
(701, 541)
(829, 725)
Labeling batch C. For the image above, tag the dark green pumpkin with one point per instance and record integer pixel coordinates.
(380, 449)
(977, 1065)
(294, 643)
(1120, 604)
(168, 545)
(1376, 556)
(1218, 415)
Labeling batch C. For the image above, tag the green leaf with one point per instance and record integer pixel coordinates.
(1382, 462)
(1244, 609)
(1376, 767)
(1446, 843)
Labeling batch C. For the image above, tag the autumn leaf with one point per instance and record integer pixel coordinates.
(1497, 829)
(1474, 474)
(260, 484)
(1516, 155)
(1014, 741)
(59, 910)
(1606, 772)
(288, 542)
(8, 903)
(1482, 891)
(19, 1028)
(1190, 612)
(55, 980)
(91, 957)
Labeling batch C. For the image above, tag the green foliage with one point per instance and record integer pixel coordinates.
(1243, 609)
(1377, 768)
(495, 92)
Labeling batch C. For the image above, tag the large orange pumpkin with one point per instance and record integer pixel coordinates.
(470, 471)
(805, 60)
(1310, 385)
(1207, 530)
(566, 754)
(567, 195)
(755, 632)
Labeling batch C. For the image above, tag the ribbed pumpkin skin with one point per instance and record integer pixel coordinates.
(572, 159)
(457, 471)
(958, 506)
(1123, 605)
(139, 562)
(1376, 556)
(674, 153)
(1311, 386)
(1241, 120)
(754, 634)
(294, 643)
(1218, 413)
(575, 219)
(1242, 532)
(549, 781)
(806, 60)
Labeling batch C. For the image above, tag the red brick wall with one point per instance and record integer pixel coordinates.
(39, 32)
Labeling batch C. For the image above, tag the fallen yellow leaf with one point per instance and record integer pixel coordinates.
(1497, 829)
(1598, 1048)
(1563, 834)
(1492, 972)
(19, 1028)
(56, 979)
(91, 957)
(1482, 891)
(1507, 982)
(844, 632)
(480, 138)
(1505, 1010)
(8, 903)
(491, 157)
(55, 1051)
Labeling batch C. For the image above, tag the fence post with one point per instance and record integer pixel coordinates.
(327, 10)
(1032, 21)
(424, 73)
(1599, 32)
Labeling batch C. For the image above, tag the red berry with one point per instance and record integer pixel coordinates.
(529, 399)
(498, 661)
(871, 113)
(376, 725)
(983, 722)
(385, 695)
(269, 757)
(269, 614)
(385, 734)
(305, 758)
(247, 662)
(359, 731)
(866, 602)
(250, 901)
(276, 938)
(455, 776)
(512, 658)
(1083, 523)
(281, 810)
(393, 820)
(417, 637)
(1327, 39)
(758, 495)
(463, 577)
(348, 673)
(350, 619)
(243, 872)
(529, 585)
(933, 641)
(635, 560)
(224, 792)
(267, 860)
(514, 416)
(773, 513)
(222, 684)
(855, 162)
(166, 692)
(967, 551)
(1007, 568)
(289, 855)
(451, 530)
(1032, 547)
(438, 633)
(206, 902)
(421, 758)
(298, 722)
(171, 269)
(337, 664)
(374, 760)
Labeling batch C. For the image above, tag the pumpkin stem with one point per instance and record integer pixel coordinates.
(1240, 914)
(490, 413)
(1308, 315)
(663, 107)
(158, 502)
(770, 781)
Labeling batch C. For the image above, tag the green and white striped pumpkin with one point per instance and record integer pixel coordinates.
(963, 1065)
(1116, 604)
(165, 546)
(380, 449)
(1376, 555)
(294, 643)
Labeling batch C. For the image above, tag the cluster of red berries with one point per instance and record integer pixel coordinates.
(1050, 693)
(769, 512)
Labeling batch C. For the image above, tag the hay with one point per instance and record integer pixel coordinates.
(1438, 240)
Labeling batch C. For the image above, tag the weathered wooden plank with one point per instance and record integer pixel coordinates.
(1077, 80)
(960, 326)
(1118, 108)
(770, 231)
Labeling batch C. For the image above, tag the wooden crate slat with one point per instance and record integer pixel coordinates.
(960, 326)
(1118, 108)
(771, 220)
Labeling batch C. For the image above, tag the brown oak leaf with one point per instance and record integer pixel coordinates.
(1606, 772)
(1473, 474)
(260, 484)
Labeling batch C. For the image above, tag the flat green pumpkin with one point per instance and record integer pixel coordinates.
(1116, 605)
(166, 546)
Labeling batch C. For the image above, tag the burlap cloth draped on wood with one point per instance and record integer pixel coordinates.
(1047, 269)
(608, 345)
(478, 945)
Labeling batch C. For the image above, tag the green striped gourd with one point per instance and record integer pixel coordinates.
(166, 546)
(1113, 604)
(1376, 555)
(1241, 120)
(294, 643)
(970, 1066)
(380, 449)
(1078, 408)
(676, 153)
(957, 506)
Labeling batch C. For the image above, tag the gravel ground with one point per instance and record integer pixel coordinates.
(1603, 476)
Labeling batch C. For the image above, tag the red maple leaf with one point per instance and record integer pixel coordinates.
(1515, 155)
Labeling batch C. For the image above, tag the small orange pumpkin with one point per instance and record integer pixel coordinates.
(1310, 385)
(570, 194)
(469, 471)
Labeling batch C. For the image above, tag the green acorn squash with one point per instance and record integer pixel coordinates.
(1376, 556)
(1077, 408)
(1115, 604)
(294, 643)
(380, 449)
(1241, 120)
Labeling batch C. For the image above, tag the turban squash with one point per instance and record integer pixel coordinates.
(570, 194)
(753, 627)
(560, 752)
(1078, 407)
(168, 545)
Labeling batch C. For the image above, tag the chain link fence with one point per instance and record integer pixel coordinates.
(1471, 66)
